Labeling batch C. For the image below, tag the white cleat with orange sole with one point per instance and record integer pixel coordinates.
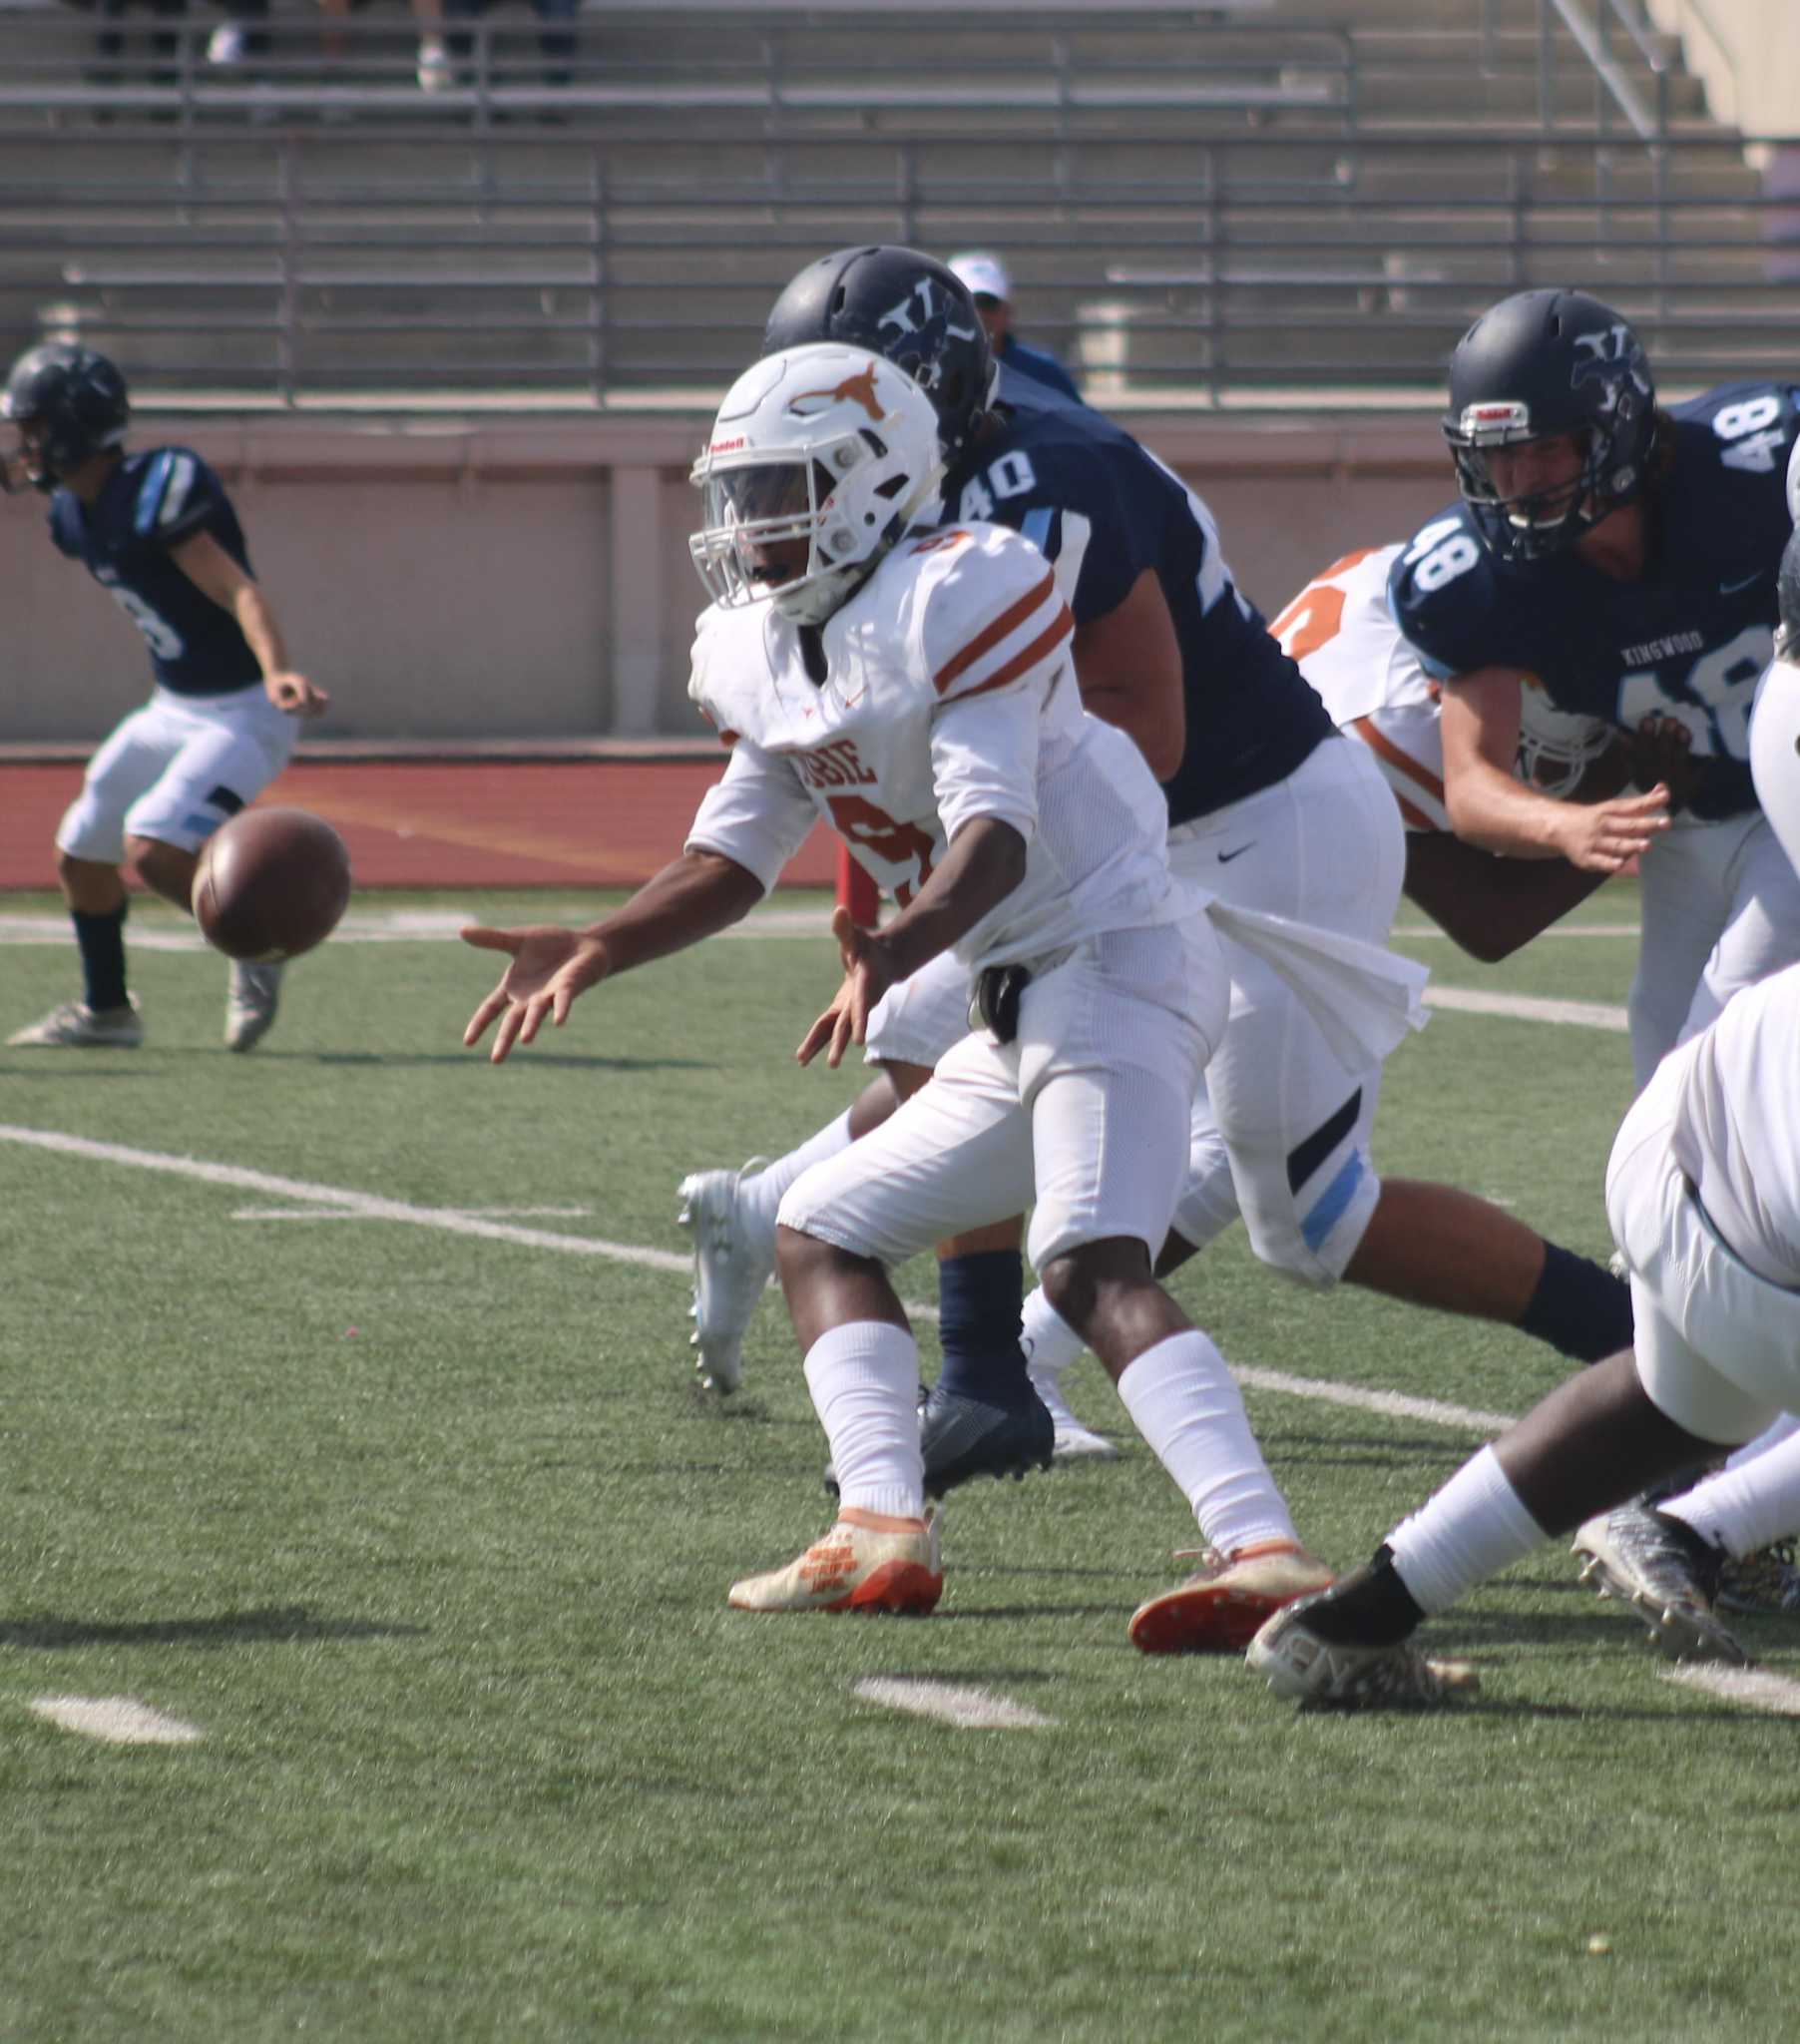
(1222, 1605)
(853, 1568)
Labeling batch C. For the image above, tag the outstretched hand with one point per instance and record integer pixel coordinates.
(550, 967)
(1606, 838)
(867, 976)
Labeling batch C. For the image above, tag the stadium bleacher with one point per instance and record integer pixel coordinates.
(1215, 203)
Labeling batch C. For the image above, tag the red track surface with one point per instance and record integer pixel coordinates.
(449, 823)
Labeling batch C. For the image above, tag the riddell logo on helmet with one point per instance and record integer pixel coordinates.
(728, 446)
(860, 389)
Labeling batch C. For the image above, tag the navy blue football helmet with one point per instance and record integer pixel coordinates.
(905, 305)
(1543, 363)
(75, 397)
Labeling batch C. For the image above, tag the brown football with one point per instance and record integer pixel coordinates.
(271, 884)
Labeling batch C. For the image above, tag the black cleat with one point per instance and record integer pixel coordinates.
(966, 1438)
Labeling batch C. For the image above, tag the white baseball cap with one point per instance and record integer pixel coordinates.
(985, 275)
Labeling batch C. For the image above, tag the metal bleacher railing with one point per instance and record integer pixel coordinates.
(1223, 209)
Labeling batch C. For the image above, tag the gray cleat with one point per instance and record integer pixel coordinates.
(76, 1026)
(1666, 1572)
(1319, 1674)
(255, 994)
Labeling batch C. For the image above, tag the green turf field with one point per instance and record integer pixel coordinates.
(426, 1531)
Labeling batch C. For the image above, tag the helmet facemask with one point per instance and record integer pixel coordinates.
(1535, 523)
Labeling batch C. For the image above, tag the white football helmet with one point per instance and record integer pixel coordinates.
(1556, 747)
(827, 445)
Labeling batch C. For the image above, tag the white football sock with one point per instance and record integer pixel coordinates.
(1470, 1530)
(760, 1198)
(1749, 1504)
(1184, 1402)
(864, 1380)
(1050, 1344)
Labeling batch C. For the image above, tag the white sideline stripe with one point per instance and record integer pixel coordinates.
(974, 1710)
(342, 1204)
(1755, 1688)
(122, 1721)
(400, 926)
(1528, 1008)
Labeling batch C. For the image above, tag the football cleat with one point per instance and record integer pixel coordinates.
(1072, 1440)
(733, 1263)
(255, 994)
(76, 1026)
(1766, 1581)
(1318, 1674)
(853, 1568)
(1666, 1572)
(1220, 1606)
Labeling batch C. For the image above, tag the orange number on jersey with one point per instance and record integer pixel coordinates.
(861, 822)
(1316, 615)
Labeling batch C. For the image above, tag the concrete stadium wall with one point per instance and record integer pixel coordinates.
(529, 579)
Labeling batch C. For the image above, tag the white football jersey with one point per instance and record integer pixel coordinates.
(949, 693)
(1344, 637)
(1736, 1130)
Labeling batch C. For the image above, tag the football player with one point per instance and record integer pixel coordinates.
(917, 689)
(156, 530)
(1265, 809)
(1623, 558)
(1704, 1197)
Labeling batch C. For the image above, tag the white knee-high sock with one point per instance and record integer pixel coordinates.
(1050, 1344)
(864, 1380)
(1470, 1530)
(761, 1197)
(1747, 1505)
(1186, 1404)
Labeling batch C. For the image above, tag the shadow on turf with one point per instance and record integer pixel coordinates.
(228, 1629)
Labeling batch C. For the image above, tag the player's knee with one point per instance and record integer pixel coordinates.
(1085, 1284)
(1312, 1237)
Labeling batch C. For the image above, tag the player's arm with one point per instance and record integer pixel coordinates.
(1129, 664)
(983, 865)
(1490, 807)
(748, 826)
(214, 572)
(1489, 906)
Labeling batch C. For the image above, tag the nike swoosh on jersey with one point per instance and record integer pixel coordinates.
(1733, 588)
(1226, 857)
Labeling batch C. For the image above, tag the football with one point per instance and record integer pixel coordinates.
(271, 884)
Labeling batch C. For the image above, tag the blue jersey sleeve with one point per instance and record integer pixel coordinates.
(1441, 595)
(178, 495)
(1094, 511)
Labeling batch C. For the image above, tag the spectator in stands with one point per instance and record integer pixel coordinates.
(434, 72)
(243, 35)
(109, 41)
(991, 290)
(556, 43)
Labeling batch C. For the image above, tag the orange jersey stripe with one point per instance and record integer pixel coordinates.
(1040, 649)
(989, 636)
(1402, 763)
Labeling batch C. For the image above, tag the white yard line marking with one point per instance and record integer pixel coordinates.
(467, 1212)
(1755, 1688)
(122, 1721)
(974, 1710)
(341, 1202)
(366, 1205)
(1557, 929)
(1528, 1008)
(1396, 1404)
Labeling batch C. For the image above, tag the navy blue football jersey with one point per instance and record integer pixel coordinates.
(1686, 644)
(1104, 510)
(151, 502)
